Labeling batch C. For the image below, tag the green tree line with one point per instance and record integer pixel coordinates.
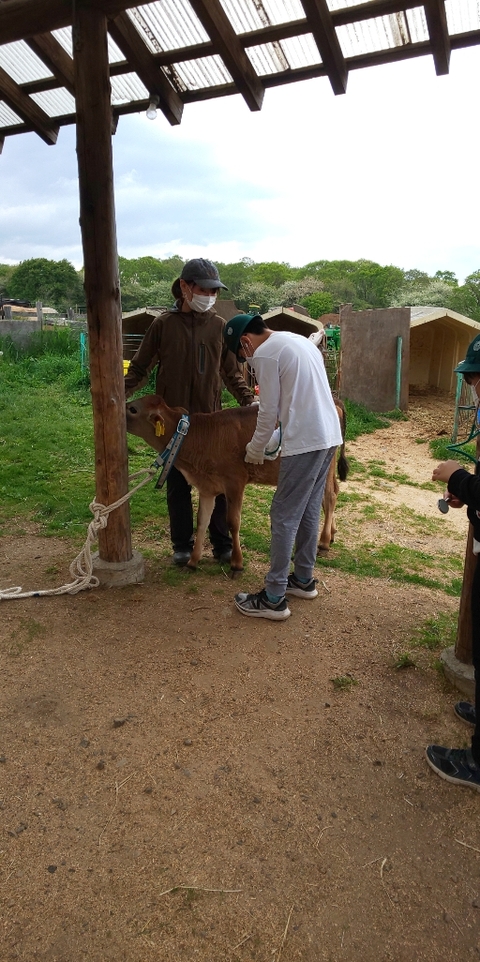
(320, 286)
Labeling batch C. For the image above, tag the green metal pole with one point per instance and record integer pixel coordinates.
(457, 408)
(398, 379)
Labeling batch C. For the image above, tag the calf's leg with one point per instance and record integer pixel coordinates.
(205, 508)
(327, 533)
(234, 517)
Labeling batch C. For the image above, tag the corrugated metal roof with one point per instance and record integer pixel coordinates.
(382, 33)
(198, 74)
(278, 37)
(287, 54)
(462, 15)
(246, 15)
(64, 37)
(21, 63)
(55, 103)
(126, 88)
(7, 117)
(168, 25)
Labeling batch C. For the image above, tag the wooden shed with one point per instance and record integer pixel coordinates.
(438, 341)
(286, 319)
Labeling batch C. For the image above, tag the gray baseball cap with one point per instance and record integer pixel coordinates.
(202, 272)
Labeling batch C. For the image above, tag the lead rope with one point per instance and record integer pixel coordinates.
(81, 568)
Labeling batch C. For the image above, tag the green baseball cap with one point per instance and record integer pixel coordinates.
(472, 359)
(234, 329)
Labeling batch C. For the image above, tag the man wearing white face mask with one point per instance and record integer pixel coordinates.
(186, 344)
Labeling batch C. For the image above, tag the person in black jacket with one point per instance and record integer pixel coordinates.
(459, 765)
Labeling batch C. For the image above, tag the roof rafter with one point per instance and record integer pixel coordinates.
(52, 54)
(144, 64)
(23, 105)
(320, 22)
(438, 32)
(213, 17)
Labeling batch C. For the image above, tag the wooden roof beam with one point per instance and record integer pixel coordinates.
(27, 109)
(318, 16)
(143, 63)
(20, 19)
(438, 32)
(52, 54)
(219, 29)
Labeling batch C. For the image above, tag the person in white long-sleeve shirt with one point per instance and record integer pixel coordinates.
(294, 393)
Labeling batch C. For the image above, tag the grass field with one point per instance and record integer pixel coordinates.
(46, 467)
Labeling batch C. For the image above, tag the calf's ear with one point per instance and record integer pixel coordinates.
(158, 423)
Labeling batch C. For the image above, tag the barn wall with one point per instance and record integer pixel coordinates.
(369, 356)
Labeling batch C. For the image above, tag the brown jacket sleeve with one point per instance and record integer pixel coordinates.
(145, 359)
(234, 380)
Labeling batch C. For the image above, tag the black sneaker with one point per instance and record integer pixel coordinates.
(465, 711)
(301, 590)
(258, 606)
(456, 765)
(181, 558)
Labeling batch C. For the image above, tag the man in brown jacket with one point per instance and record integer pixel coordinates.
(187, 346)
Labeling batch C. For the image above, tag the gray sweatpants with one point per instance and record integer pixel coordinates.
(295, 516)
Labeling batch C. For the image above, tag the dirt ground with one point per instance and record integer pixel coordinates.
(181, 783)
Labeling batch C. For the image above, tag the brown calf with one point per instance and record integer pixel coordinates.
(212, 459)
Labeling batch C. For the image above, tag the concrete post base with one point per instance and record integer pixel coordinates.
(458, 673)
(118, 574)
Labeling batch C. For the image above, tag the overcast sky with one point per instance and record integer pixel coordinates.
(389, 172)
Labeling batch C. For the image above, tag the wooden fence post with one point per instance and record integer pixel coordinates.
(102, 286)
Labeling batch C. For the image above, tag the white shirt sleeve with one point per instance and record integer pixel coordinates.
(267, 374)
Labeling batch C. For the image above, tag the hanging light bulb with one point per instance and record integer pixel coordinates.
(152, 107)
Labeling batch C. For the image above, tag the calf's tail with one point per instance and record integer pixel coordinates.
(343, 466)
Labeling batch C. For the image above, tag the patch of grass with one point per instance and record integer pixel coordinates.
(440, 450)
(343, 682)
(27, 631)
(362, 421)
(396, 415)
(399, 564)
(419, 522)
(439, 632)
(351, 497)
(404, 661)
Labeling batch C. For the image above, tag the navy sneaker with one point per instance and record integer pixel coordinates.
(456, 765)
(258, 606)
(465, 711)
(300, 589)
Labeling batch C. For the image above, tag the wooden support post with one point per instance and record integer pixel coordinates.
(102, 286)
(463, 642)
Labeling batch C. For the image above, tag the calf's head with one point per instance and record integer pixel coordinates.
(151, 419)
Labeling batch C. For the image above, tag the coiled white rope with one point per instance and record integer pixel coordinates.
(81, 568)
